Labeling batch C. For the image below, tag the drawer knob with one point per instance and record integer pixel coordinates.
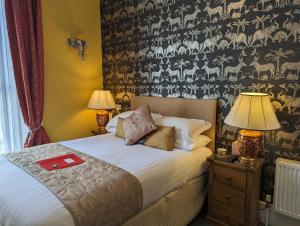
(227, 196)
(226, 215)
(228, 177)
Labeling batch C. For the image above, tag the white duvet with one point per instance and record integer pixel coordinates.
(25, 201)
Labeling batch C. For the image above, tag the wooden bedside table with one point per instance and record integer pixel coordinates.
(234, 192)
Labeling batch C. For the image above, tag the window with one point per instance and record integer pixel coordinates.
(12, 127)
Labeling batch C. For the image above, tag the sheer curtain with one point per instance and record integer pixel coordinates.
(12, 128)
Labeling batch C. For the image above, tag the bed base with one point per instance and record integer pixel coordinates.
(178, 208)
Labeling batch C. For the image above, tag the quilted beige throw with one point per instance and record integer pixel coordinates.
(95, 192)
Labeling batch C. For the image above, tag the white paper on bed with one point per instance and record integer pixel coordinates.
(25, 201)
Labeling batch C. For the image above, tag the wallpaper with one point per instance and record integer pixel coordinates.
(209, 49)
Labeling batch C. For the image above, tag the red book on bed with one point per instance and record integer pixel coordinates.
(60, 162)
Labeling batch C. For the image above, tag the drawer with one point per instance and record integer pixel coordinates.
(230, 177)
(227, 215)
(228, 196)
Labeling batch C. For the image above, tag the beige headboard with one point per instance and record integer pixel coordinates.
(179, 107)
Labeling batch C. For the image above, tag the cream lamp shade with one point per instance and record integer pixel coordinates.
(101, 100)
(253, 111)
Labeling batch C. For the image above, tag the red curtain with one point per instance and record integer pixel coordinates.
(24, 24)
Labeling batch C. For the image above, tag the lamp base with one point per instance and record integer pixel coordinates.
(102, 118)
(248, 161)
(250, 144)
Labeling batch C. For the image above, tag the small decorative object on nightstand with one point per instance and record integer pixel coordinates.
(234, 191)
(102, 100)
(253, 113)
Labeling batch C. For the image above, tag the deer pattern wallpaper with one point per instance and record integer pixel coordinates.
(209, 49)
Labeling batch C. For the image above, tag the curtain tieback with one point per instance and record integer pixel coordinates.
(35, 129)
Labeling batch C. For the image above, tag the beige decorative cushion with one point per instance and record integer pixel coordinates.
(138, 124)
(163, 138)
(120, 130)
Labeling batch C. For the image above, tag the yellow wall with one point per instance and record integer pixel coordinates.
(69, 81)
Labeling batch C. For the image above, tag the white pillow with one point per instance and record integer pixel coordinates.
(111, 126)
(201, 141)
(187, 130)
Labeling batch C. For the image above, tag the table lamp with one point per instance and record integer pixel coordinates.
(252, 113)
(102, 101)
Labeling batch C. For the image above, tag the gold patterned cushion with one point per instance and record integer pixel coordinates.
(120, 130)
(138, 124)
(163, 138)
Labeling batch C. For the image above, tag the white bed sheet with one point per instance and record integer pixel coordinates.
(25, 201)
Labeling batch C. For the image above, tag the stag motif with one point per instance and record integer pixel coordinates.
(263, 67)
(155, 28)
(143, 29)
(234, 70)
(173, 22)
(210, 71)
(235, 6)
(174, 75)
(213, 11)
(156, 75)
(192, 17)
(189, 74)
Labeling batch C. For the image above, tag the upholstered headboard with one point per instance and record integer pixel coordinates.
(179, 107)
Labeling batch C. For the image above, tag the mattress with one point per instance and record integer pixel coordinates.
(25, 201)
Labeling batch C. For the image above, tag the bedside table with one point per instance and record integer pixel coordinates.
(97, 132)
(234, 191)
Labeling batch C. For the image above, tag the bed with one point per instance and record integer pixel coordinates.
(174, 183)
